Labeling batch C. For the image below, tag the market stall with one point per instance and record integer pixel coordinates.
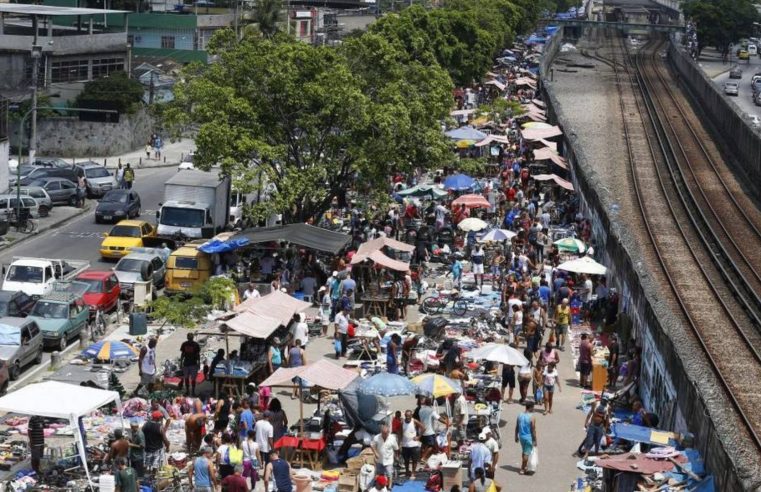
(370, 257)
(62, 401)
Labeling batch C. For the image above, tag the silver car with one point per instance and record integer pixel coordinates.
(8, 205)
(20, 344)
(39, 194)
(99, 179)
(141, 264)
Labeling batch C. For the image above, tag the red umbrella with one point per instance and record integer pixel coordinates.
(472, 201)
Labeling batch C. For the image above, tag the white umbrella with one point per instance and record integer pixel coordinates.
(497, 235)
(498, 352)
(583, 265)
(472, 224)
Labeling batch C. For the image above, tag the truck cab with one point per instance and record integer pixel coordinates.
(186, 217)
(196, 205)
(36, 276)
(61, 314)
(187, 269)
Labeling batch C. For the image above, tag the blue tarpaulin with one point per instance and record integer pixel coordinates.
(217, 246)
(465, 133)
(10, 335)
(459, 182)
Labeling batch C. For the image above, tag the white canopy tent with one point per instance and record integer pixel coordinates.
(61, 401)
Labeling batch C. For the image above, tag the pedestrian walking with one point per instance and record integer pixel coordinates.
(120, 176)
(81, 191)
(411, 430)
(129, 177)
(190, 360)
(279, 471)
(125, 477)
(385, 448)
(147, 366)
(562, 322)
(551, 379)
(201, 475)
(585, 360)
(525, 434)
(148, 148)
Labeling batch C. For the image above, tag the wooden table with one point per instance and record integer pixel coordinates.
(305, 451)
(375, 305)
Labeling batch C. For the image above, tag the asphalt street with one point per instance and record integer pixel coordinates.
(744, 99)
(81, 238)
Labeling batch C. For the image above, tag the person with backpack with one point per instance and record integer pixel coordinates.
(129, 177)
(229, 455)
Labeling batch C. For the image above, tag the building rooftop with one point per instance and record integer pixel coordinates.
(50, 11)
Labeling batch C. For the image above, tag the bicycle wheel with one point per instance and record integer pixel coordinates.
(430, 305)
(460, 307)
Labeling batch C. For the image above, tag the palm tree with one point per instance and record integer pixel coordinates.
(267, 15)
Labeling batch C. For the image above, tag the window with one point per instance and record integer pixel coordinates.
(67, 185)
(34, 329)
(53, 185)
(69, 71)
(105, 66)
(131, 40)
(167, 42)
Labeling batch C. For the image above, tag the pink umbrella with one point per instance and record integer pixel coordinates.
(472, 201)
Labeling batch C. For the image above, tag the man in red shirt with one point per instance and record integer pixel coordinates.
(585, 360)
(235, 482)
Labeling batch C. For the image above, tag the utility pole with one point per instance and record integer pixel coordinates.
(35, 54)
(150, 92)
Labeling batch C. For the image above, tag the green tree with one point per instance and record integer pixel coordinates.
(113, 92)
(300, 120)
(178, 311)
(267, 15)
(721, 22)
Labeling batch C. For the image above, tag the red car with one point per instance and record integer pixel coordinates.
(104, 290)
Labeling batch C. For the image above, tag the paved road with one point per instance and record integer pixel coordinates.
(745, 98)
(80, 239)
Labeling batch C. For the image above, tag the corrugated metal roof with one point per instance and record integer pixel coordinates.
(191, 177)
(51, 11)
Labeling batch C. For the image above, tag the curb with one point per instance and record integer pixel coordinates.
(44, 229)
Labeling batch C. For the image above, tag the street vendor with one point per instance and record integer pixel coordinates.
(119, 448)
(136, 447)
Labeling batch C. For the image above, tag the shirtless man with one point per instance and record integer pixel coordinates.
(195, 426)
(119, 448)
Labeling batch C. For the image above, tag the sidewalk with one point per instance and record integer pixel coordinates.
(171, 155)
(713, 65)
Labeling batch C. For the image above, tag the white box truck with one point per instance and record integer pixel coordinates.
(196, 205)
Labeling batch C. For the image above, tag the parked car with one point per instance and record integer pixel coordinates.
(21, 172)
(755, 121)
(103, 292)
(61, 314)
(15, 304)
(39, 194)
(124, 236)
(20, 344)
(117, 205)
(50, 172)
(187, 162)
(61, 191)
(9, 202)
(141, 264)
(52, 162)
(735, 73)
(99, 179)
(5, 378)
(731, 88)
(757, 99)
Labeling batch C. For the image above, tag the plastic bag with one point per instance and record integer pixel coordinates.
(533, 460)
(539, 396)
(337, 345)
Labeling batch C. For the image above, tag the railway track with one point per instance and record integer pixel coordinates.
(715, 293)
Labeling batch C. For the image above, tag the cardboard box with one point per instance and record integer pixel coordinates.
(452, 473)
(348, 482)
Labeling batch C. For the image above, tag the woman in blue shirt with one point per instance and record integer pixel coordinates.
(525, 433)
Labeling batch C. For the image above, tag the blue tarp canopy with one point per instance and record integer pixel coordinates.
(10, 335)
(217, 246)
(534, 39)
(465, 133)
(459, 182)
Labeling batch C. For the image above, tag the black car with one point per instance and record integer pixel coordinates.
(15, 304)
(117, 205)
(50, 172)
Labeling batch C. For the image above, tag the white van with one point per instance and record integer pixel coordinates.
(752, 50)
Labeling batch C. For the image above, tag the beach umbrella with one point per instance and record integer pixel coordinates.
(465, 144)
(459, 182)
(497, 235)
(536, 124)
(466, 133)
(472, 201)
(472, 224)
(436, 385)
(387, 384)
(423, 190)
(498, 352)
(583, 265)
(110, 350)
(570, 244)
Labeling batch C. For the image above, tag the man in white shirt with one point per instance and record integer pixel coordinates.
(460, 418)
(384, 447)
(251, 292)
(492, 444)
(300, 330)
(264, 435)
(342, 328)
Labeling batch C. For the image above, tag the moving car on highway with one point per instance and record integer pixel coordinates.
(731, 88)
(117, 205)
(99, 180)
(124, 236)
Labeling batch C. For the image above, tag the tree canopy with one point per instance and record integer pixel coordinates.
(721, 22)
(113, 92)
(301, 124)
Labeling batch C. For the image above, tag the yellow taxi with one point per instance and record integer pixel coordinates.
(125, 235)
(743, 55)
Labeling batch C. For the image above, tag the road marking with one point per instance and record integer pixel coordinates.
(32, 372)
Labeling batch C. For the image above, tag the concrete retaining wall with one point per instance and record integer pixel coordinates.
(550, 50)
(69, 137)
(744, 141)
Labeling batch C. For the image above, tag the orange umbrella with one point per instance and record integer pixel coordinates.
(472, 201)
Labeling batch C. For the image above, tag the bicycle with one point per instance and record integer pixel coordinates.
(23, 221)
(97, 326)
(438, 302)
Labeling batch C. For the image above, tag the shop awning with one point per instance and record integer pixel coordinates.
(492, 139)
(496, 83)
(639, 463)
(322, 373)
(304, 235)
(277, 302)
(520, 81)
(557, 179)
(545, 153)
(550, 145)
(378, 243)
(253, 324)
(381, 259)
(539, 133)
(539, 103)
